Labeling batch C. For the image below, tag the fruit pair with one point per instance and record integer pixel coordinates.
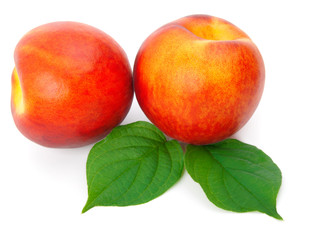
(198, 79)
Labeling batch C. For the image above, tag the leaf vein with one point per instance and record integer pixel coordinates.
(153, 130)
(228, 192)
(250, 173)
(106, 165)
(246, 160)
(108, 185)
(110, 150)
(171, 167)
(149, 184)
(212, 192)
(257, 198)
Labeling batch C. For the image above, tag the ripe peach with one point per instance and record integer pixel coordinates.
(199, 79)
(71, 84)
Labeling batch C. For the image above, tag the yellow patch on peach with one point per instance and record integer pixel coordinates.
(17, 95)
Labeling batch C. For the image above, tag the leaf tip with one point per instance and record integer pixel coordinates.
(86, 208)
(277, 216)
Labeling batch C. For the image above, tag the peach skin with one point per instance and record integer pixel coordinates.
(71, 84)
(199, 79)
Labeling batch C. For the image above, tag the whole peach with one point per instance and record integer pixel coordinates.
(199, 79)
(71, 84)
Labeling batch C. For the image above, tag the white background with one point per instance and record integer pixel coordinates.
(42, 190)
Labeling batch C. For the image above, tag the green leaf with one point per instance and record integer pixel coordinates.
(235, 176)
(132, 165)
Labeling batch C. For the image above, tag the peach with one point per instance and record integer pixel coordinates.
(71, 84)
(199, 79)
